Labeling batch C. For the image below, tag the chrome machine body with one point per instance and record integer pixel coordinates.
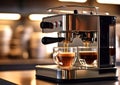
(97, 30)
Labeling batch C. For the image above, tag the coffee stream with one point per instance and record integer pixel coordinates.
(86, 43)
(66, 44)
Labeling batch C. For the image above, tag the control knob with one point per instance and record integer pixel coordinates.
(45, 25)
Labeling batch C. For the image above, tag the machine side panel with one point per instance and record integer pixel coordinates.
(105, 38)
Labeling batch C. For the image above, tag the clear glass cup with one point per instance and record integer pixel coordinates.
(89, 55)
(64, 57)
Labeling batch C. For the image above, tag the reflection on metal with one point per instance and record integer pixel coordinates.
(71, 9)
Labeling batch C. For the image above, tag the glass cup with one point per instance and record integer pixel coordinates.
(89, 54)
(64, 57)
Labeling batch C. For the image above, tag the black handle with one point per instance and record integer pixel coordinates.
(48, 40)
(44, 25)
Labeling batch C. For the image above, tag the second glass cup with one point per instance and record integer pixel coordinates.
(89, 54)
(64, 57)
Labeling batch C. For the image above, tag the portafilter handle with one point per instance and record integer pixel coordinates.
(49, 40)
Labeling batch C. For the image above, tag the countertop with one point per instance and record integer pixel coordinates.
(23, 64)
(27, 77)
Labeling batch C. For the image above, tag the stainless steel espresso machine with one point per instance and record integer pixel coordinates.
(81, 30)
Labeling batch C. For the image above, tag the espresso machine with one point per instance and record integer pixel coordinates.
(78, 28)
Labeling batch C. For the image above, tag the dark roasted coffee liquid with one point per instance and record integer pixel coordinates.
(89, 56)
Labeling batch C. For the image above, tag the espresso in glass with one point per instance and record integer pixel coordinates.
(66, 58)
(89, 56)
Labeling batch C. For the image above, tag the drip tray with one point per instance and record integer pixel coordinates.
(53, 73)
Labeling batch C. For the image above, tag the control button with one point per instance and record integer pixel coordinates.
(55, 24)
(60, 23)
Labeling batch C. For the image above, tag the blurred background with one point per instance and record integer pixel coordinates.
(20, 32)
